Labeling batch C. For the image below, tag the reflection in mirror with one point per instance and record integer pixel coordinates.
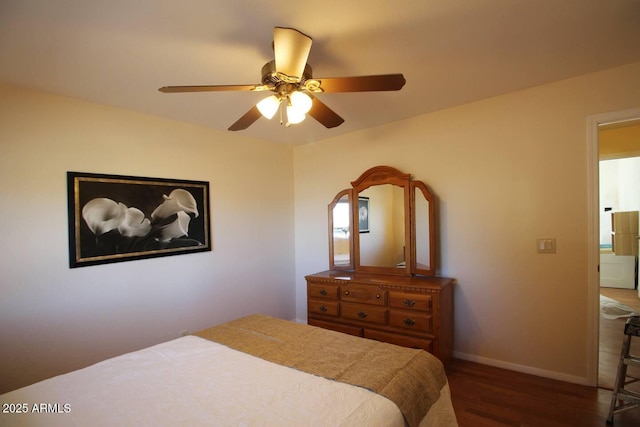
(340, 238)
(383, 245)
(423, 224)
(341, 214)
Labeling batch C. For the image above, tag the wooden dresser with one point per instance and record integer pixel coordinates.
(411, 311)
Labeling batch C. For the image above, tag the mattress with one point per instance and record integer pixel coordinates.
(198, 382)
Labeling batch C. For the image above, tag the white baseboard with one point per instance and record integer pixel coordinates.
(522, 368)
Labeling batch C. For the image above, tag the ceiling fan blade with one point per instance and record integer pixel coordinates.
(291, 48)
(215, 88)
(381, 82)
(325, 115)
(247, 120)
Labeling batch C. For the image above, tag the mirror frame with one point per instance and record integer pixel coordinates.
(431, 271)
(380, 175)
(334, 202)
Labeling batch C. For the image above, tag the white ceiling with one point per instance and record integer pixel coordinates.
(119, 52)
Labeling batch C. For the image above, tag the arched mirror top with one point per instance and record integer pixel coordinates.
(381, 175)
(391, 228)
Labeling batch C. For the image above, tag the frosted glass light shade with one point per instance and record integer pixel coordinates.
(294, 116)
(268, 106)
(300, 101)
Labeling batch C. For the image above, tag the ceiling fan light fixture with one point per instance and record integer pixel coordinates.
(294, 115)
(291, 80)
(269, 106)
(301, 101)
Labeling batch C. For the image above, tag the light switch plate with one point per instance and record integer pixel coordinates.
(546, 246)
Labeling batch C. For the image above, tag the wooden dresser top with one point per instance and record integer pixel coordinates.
(384, 281)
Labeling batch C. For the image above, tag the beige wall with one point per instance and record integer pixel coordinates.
(506, 171)
(54, 319)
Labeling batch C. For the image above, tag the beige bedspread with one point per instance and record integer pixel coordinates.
(411, 378)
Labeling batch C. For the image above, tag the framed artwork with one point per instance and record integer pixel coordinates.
(115, 218)
(363, 214)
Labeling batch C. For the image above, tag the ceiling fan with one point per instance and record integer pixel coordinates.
(290, 78)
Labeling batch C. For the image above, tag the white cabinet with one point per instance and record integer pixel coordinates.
(617, 271)
(618, 268)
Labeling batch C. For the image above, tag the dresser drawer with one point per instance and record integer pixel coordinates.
(363, 294)
(321, 290)
(369, 314)
(325, 308)
(396, 339)
(411, 321)
(410, 301)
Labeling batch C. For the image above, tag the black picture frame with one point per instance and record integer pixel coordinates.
(114, 218)
(363, 214)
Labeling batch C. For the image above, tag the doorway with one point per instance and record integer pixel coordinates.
(601, 361)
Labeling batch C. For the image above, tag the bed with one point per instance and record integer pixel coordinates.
(253, 371)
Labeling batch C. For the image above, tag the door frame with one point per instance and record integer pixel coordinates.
(593, 239)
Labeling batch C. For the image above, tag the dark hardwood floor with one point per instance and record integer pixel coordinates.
(484, 396)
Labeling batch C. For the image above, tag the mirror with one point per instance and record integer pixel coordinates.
(381, 240)
(340, 235)
(383, 224)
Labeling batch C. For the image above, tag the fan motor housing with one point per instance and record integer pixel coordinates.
(271, 77)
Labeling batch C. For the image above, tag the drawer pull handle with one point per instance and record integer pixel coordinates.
(409, 302)
(378, 296)
(362, 314)
(409, 322)
(324, 292)
(346, 292)
(323, 308)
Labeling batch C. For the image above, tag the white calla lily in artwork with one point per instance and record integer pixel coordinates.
(178, 228)
(103, 215)
(130, 230)
(178, 200)
(134, 223)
